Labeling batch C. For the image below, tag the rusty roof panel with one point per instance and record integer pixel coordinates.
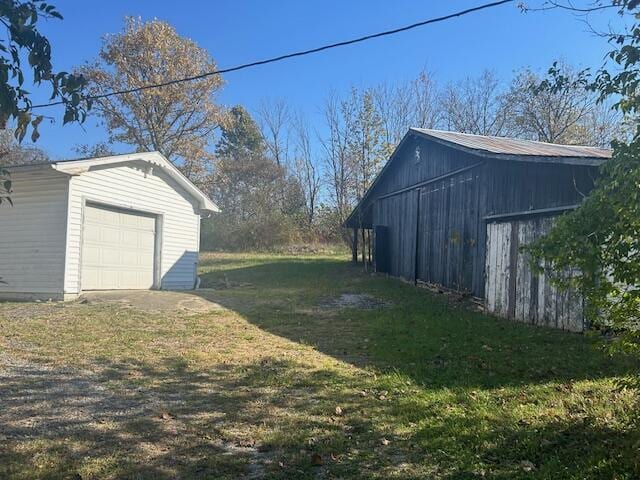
(513, 146)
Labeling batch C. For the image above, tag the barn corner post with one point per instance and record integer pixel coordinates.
(416, 251)
(363, 236)
(354, 246)
(364, 247)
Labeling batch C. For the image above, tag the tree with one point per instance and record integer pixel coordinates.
(177, 120)
(599, 242)
(306, 170)
(13, 152)
(259, 202)
(5, 186)
(569, 114)
(240, 135)
(340, 119)
(366, 140)
(21, 22)
(367, 147)
(477, 105)
(23, 37)
(274, 118)
(355, 147)
(396, 106)
(100, 149)
(405, 105)
(428, 112)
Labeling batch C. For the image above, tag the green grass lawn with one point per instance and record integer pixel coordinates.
(284, 382)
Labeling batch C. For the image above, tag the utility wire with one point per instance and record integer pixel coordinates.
(286, 56)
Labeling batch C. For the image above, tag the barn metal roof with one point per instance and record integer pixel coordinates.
(499, 148)
(514, 146)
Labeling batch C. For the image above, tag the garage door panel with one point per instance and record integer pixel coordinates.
(91, 255)
(108, 235)
(91, 235)
(93, 214)
(91, 276)
(118, 249)
(145, 239)
(110, 256)
(129, 279)
(129, 238)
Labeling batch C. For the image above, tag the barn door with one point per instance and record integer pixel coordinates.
(499, 269)
(513, 290)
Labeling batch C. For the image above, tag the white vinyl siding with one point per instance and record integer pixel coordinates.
(32, 234)
(117, 249)
(134, 186)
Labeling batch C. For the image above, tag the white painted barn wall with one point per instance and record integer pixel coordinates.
(528, 298)
(32, 235)
(132, 186)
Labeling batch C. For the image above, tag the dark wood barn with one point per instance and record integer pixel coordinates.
(453, 209)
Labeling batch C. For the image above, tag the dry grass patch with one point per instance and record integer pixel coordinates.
(272, 386)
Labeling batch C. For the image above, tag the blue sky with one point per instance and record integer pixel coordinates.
(502, 39)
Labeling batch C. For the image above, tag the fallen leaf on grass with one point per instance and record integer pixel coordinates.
(316, 459)
(527, 466)
(246, 443)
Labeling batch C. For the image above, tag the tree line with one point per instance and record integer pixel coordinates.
(324, 169)
(280, 178)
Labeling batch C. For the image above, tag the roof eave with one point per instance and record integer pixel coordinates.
(362, 201)
(567, 160)
(77, 167)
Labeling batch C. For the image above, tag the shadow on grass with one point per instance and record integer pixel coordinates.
(130, 419)
(458, 395)
(443, 346)
(135, 420)
(434, 341)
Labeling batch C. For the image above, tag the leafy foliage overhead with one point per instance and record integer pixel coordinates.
(21, 21)
(599, 243)
(23, 39)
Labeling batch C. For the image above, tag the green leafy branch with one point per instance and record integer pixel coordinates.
(24, 39)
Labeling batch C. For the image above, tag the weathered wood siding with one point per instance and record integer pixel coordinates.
(521, 186)
(448, 232)
(438, 201)
(513, 290)
(399, 213)
(432, 226)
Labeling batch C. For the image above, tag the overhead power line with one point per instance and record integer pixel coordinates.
(288, 55)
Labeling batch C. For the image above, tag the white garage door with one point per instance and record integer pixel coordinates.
(117, 249)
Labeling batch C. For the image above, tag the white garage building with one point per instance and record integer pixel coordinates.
(120, 222)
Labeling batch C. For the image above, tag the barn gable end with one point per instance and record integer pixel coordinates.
(435, 197)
